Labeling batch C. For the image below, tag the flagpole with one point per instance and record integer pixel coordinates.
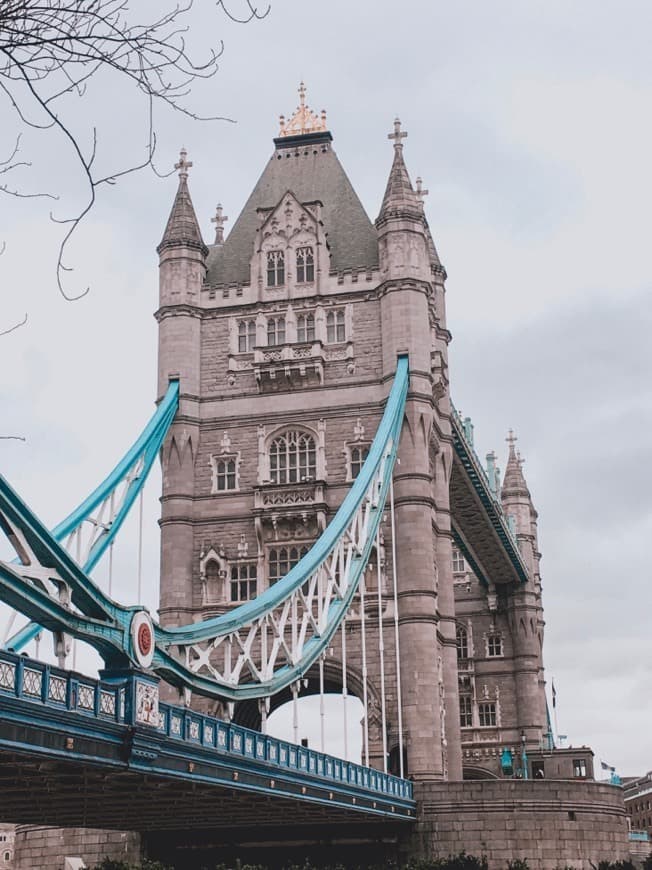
(554, 708)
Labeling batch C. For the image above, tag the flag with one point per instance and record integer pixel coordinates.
(554, 694)
(605, 766)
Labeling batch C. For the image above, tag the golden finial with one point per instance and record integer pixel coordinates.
(304, 119)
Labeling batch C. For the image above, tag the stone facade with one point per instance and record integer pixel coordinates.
(551, 824)
(7, 834)
(44, 848)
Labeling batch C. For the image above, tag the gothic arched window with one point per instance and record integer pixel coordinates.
(281, 559)
(306, 327)
(335, 326)
(305, 265)
(246, 335)
(462, 637)
(292, 458)
(275, 268)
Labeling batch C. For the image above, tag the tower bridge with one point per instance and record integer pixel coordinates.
(325, 524)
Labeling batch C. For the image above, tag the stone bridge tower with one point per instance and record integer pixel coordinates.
(285, 338)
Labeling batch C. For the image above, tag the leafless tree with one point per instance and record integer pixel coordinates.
(51, 49)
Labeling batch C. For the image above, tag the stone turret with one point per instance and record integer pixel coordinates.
(526, 608)
(412, 318)
(182, 269)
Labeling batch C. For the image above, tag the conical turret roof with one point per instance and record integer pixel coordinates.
(400, 198)
(182, 227)
(514, 482)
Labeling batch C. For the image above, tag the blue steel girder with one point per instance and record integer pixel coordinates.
(104, 511)
(75, 722)
(265, 644)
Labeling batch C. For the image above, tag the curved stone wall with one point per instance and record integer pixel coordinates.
(551, 823)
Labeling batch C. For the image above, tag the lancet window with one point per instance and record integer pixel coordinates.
(462, 637)
(246, 336)
(466, 711)
(494, 645)
(281, 559)
(275, 268)
(292, 458)
(275, 331)
(357, 456)
(335, 326)
(306, 327)
(487, 714)
(225, 475)
(305, 265)
(244, 581)
(459, 565)
(214, 574)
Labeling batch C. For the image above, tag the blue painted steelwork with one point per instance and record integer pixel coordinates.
(105, 625)
(102, 711)
(490, 500)
(639, 836)
(132, 470)
(382, 451)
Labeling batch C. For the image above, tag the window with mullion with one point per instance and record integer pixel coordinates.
(306, 327)
(305, 265)
(244, 581)
(466, 711)
(487, 714)
(292, 458)
(275, 268)
(275, 331)
(282, 559)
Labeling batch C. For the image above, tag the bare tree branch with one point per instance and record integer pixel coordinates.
(16, 325)
(50, 49)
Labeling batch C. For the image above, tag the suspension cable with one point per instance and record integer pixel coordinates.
(396, 640)
(381, 649)
(140, 548)
(344, 691)
(322, 711)
(365, 694)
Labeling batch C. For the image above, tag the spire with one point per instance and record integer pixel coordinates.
(514, 482)
(400, 198)
(182, 226)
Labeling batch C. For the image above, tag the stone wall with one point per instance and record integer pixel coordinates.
(44, 848)
(549, 823)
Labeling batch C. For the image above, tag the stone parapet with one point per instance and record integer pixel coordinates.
(550, 823)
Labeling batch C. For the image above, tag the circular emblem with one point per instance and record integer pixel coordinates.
(142, 638)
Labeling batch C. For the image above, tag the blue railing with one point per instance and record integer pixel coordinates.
(639, 836)
(43, 684)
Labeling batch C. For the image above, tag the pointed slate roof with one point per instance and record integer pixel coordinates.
(400, 197)
(514, 482)
(308, 166)
(182, 227)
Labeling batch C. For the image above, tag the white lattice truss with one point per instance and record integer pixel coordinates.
(296, 630)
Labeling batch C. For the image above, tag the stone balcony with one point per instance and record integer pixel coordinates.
(297, 364)
(278, 507)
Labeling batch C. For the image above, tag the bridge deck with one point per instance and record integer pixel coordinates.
(69, 756)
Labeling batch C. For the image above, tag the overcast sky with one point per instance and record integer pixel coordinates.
(530, 124)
